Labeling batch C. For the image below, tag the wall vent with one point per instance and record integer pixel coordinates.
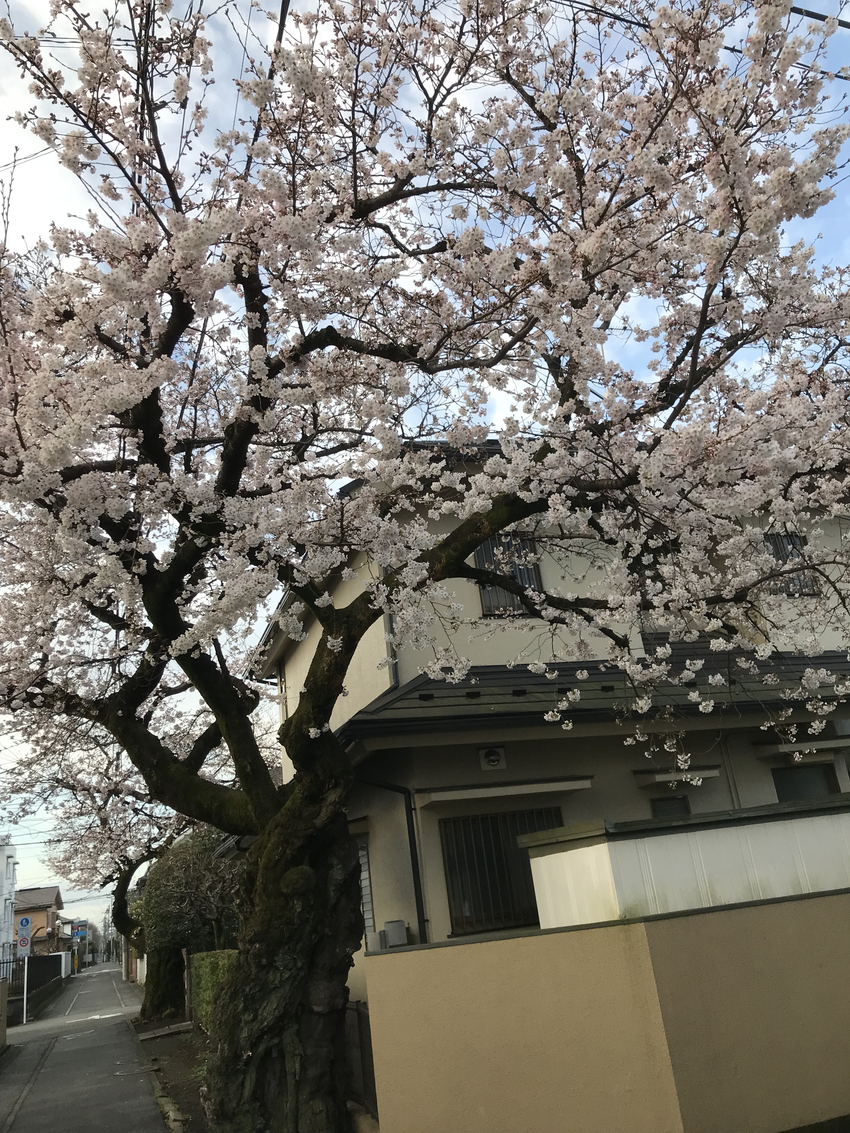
(492, 758)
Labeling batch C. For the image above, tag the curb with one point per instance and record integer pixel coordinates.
(174, 1029)
(174, 1119)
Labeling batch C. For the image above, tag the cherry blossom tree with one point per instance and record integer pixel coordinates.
(106, 826)
(432, 210)
(104, 819)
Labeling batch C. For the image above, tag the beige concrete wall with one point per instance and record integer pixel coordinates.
(756, 1008)
(368, 675)
(546, 1034)
(733, 1021)
(495, 641)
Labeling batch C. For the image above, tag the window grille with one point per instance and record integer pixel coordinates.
(507, 554)
(488, 876)
(806, 781)
(670, 806)
(366, 884)
(786, 547)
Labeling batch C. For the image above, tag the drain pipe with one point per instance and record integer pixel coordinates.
(422, 923)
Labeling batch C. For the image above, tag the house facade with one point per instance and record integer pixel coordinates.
(8, 864)
(43, 906)
(512, 870)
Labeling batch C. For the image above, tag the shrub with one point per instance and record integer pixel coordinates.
(190, 896)
(209, 971)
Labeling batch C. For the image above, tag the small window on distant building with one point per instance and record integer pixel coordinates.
(670, 806)
(806, 781)
(786, 547)
(365, 883)
(507, 554)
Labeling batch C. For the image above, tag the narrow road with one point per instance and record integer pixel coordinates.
(79, 1066)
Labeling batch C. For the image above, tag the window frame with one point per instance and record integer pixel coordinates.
(678, 797)
(830, 776)
(497, 893)
(785, 547)
(495, 601)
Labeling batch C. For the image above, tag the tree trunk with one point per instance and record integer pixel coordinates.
(277, 1046)
(165, 990)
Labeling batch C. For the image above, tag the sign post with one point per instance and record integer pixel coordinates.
(79, 935)
(24, 947)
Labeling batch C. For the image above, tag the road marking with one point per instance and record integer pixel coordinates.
(118, 993)
(73, 1001)
(10, 1120)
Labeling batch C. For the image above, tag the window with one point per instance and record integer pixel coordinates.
(670, 806)
(806, 781)
(786, 546)
(507, 554)
(365, 883)
(488, 876)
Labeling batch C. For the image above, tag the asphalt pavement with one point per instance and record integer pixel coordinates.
(79, 1066)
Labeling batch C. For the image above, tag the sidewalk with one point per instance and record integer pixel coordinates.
(79, 1066)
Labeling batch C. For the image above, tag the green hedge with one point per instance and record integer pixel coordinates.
(209, 971)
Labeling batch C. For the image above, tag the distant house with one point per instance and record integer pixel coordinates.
(7, 897)
(42, 906)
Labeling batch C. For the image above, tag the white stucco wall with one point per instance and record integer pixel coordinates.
(693, 869)
(7, 899)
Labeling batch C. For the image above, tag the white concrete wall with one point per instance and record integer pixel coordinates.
(66, 959)
(693, 869)
(7, 900)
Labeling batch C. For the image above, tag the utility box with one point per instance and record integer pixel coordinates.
(396, 933)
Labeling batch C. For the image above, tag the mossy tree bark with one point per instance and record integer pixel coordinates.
(165, 989)
(278, 1058)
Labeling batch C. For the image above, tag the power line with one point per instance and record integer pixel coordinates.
(637, 23)
(16, 161)
(820, 16)
(67, 40)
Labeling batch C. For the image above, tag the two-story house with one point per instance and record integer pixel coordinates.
(8, 863)
(633, 924)
(42, 905)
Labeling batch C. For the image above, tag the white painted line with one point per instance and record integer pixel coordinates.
(118, 993)
(73, 1001)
